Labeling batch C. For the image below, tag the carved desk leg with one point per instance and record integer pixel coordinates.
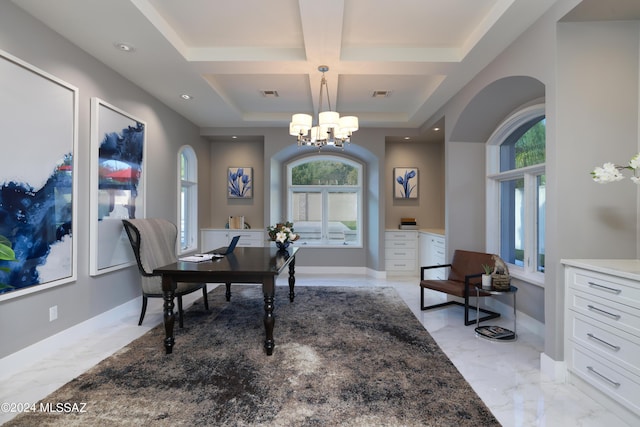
(292, 279)
(168, 289)
(268, 288)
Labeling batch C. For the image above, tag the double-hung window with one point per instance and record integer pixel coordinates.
(516, 193)
(188, 204)
(325, 200)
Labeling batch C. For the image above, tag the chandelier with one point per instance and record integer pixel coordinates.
(330, 128)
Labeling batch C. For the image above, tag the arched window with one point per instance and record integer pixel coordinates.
(325, 200)
(516, 192)
(188, 204)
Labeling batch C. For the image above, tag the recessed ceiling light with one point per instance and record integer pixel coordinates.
(234, 137)
(407, 138)
(124, 47)
(436, 129)
(186, 97)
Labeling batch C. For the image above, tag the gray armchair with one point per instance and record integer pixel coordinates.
(153, 241)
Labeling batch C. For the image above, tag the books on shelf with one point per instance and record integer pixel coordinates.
(408, 223)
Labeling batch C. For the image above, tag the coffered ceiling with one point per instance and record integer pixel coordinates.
(234, 56)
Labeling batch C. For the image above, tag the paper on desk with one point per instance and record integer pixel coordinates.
(200, 257)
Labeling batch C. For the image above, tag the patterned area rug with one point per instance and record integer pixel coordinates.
(343, 356)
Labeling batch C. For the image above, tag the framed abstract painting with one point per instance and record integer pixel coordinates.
(240, 183)
(38, 179)
(118, 143)
(405, 183)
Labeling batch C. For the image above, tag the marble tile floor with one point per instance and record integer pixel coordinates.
(506, 376)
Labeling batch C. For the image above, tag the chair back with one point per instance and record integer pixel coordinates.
(153, 241)
(466, 263)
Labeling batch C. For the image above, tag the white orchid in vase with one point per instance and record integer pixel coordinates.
(610, 172)
(282, 234)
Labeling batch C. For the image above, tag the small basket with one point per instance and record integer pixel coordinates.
(501, 282)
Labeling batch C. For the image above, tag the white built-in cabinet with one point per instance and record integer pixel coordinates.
(432, 252)
(213, 238)
(401, 252)
(407, 250)
(602, 330)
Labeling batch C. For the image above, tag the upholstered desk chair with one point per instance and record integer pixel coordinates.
(153, 241)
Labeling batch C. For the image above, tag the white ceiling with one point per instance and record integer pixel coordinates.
(225, 53)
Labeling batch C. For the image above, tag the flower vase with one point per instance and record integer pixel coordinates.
(282, 246)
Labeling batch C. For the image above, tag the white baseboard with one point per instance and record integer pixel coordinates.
(555, 370)
(32, 354)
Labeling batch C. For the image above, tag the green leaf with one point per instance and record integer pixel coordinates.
(6, 253)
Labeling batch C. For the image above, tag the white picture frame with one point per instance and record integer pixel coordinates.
(118, 155)
(38, 182)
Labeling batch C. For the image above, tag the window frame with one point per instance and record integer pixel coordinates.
(190, 185)
(325, 190)
(528, 272)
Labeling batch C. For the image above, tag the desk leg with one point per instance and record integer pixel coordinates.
(292, 279)
(227, 293)
(268, 288)
(168, 289)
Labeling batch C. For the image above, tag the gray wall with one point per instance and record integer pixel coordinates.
(25, 319)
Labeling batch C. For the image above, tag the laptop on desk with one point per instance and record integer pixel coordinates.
(229, 249)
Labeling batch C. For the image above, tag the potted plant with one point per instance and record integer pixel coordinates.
(486, 276)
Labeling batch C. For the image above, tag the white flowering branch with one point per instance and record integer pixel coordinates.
(611, 173)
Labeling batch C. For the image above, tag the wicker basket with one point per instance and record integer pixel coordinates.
(501, 282)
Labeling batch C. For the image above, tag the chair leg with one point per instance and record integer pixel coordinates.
(144, 309)
(180, 322)
(204, 297)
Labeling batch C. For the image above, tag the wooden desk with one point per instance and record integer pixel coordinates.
(244, 265)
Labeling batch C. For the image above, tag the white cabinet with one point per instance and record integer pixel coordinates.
(432, 252)
(602, 327)
(401, 252)
(213, 238)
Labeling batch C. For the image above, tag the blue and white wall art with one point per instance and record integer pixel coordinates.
(405, 183)
(38, 183)
(240, 183)
(117, 184)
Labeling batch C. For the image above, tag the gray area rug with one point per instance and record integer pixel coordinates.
(343, 357)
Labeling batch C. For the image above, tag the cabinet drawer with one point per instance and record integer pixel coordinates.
(613, 314)
(404, 254)
(405, 244)
(612, 288)
(622, 387)
(400, 264)
(614, 345)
